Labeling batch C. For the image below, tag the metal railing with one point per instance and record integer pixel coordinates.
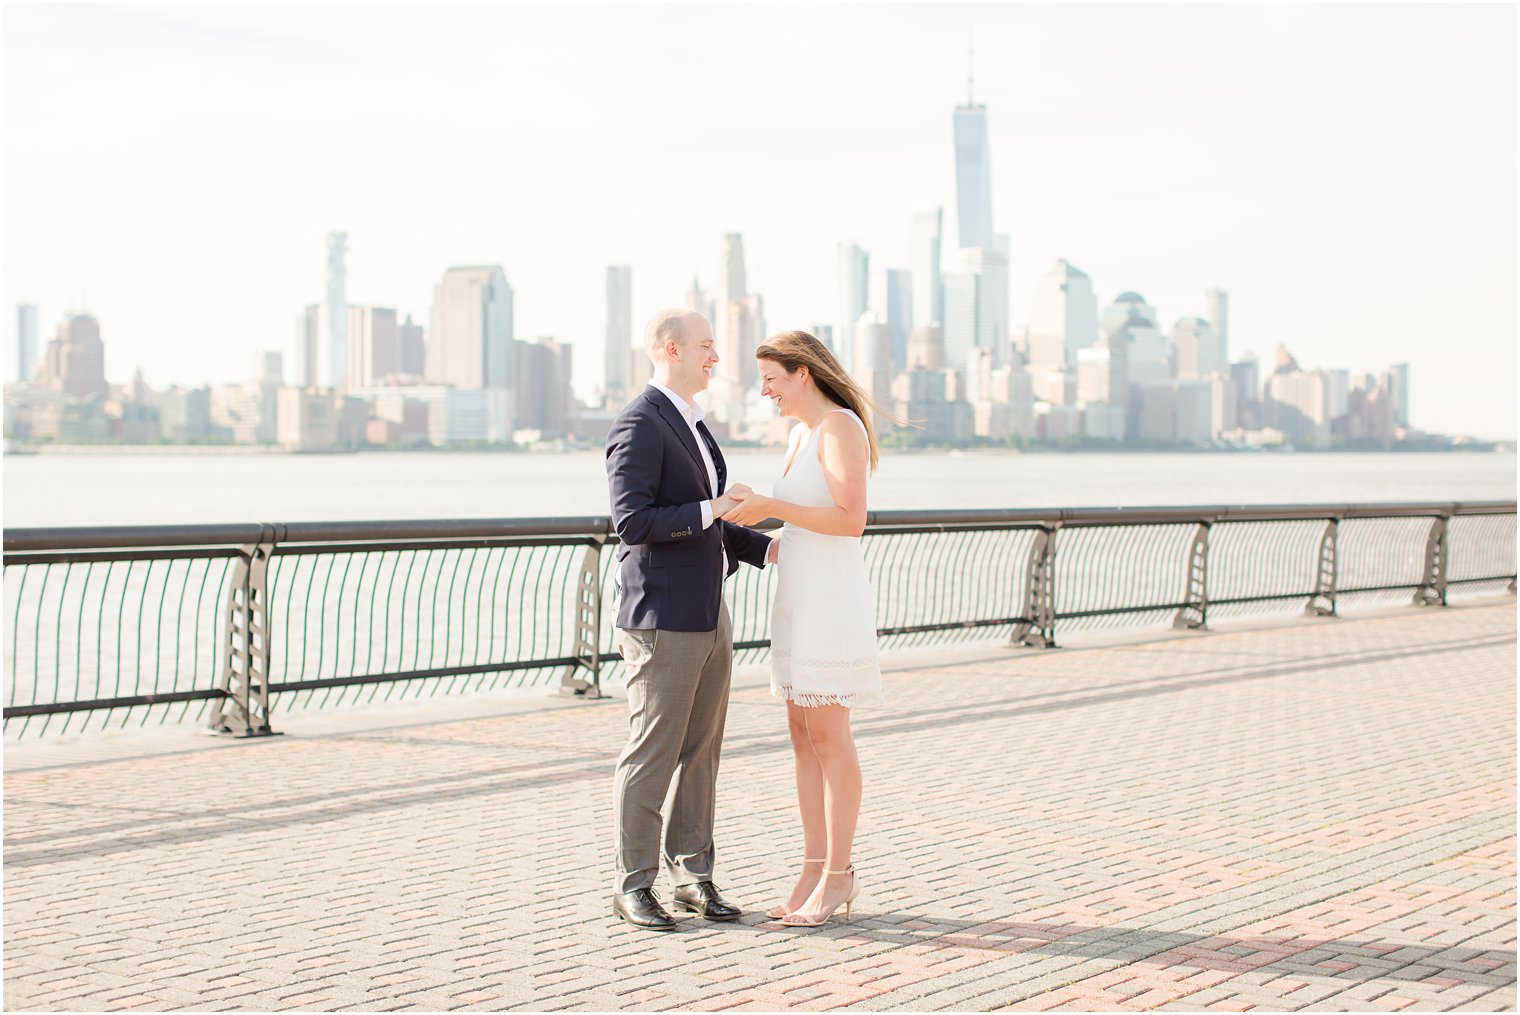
(131, 625)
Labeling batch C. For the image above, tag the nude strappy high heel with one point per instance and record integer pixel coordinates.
(777, 912)
(797, 920)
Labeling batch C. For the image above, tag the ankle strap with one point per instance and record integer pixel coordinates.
(815, 859)
(848, 870)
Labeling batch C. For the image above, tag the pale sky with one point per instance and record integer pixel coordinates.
(1347, 173)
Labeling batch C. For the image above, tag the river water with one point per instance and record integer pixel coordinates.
(147, 489)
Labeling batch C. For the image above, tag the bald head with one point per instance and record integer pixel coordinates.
(680, 346)
(673, 325)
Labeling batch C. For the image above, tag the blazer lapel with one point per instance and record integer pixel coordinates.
(673, 418)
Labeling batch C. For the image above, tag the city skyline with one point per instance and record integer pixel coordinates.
(1388, 262)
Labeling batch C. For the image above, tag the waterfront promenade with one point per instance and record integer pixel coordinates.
(1318, 815)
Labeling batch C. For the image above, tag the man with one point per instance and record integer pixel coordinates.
(666, 478)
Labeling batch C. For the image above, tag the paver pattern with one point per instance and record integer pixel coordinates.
(1312, 817)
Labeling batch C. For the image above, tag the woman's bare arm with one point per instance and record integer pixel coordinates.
(845, 455)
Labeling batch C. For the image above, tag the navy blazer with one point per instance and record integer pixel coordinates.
(669, 568)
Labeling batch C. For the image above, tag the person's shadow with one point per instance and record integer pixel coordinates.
(1349, 958)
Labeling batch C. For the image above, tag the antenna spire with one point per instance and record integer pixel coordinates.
(970, 64)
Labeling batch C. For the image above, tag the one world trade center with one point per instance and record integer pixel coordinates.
(973, 174)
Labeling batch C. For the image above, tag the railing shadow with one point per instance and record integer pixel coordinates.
(588, 764)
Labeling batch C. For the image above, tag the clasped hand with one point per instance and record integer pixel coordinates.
(743, 506)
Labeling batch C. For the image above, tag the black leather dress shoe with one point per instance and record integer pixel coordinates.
(703, 898)
(643, 910)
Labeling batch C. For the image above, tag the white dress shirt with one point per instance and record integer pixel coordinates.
(692, 413)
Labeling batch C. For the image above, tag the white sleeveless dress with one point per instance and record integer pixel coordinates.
(823, 619)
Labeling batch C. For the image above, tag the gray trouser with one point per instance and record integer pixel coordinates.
(677, 703)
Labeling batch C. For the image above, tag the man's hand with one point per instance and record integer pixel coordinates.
(751, 508)
(730, 499)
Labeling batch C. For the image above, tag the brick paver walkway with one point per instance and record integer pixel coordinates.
(1319, 816)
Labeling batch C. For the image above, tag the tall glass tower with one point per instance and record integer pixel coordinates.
(26, 340)
(854, 297)
(618, 353)
(973, 174)
(732, 288)
(335, 310)
(1216, 304)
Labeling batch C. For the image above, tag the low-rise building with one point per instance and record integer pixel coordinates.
(1054, 422)
(308, 419)
(1103, 420)
(185, 414)
(453, 416)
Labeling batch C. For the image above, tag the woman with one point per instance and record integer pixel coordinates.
(823, 620)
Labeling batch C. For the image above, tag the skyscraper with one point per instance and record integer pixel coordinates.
(1398, 385)
(854, 292)
(737, 373)
(1064, 317)
(899, 313)
(617, 364)
(1138, 352)
(1196, 349)
(873, 356)
(544, 401)
(26, 340)
(374, 345)
(271, 380)
(1245, 378)
(1297, 402)
(76, 359)
(731, 289)
(1340, 392)
(335, 311)
(748, 368)
(308, 351)
(413, 348)
(924, 260)
(976, 307)
(926, 349)
(973, 174)
(1099, 377)
(699, 301)
(1216, 310)
(471, 344)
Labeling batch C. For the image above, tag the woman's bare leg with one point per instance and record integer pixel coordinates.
(809, 804)
(833, 745)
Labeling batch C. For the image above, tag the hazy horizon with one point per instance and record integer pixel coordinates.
(1345, 173)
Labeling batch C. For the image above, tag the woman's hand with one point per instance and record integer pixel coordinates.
(752, 507)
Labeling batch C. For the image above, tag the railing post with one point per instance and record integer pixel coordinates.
(1432, 589)
(588, 627)
(1039, 594)
(1195, 610)
(244, 711)
(1322, 603)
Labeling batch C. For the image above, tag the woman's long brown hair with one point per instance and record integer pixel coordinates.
(793, 349)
